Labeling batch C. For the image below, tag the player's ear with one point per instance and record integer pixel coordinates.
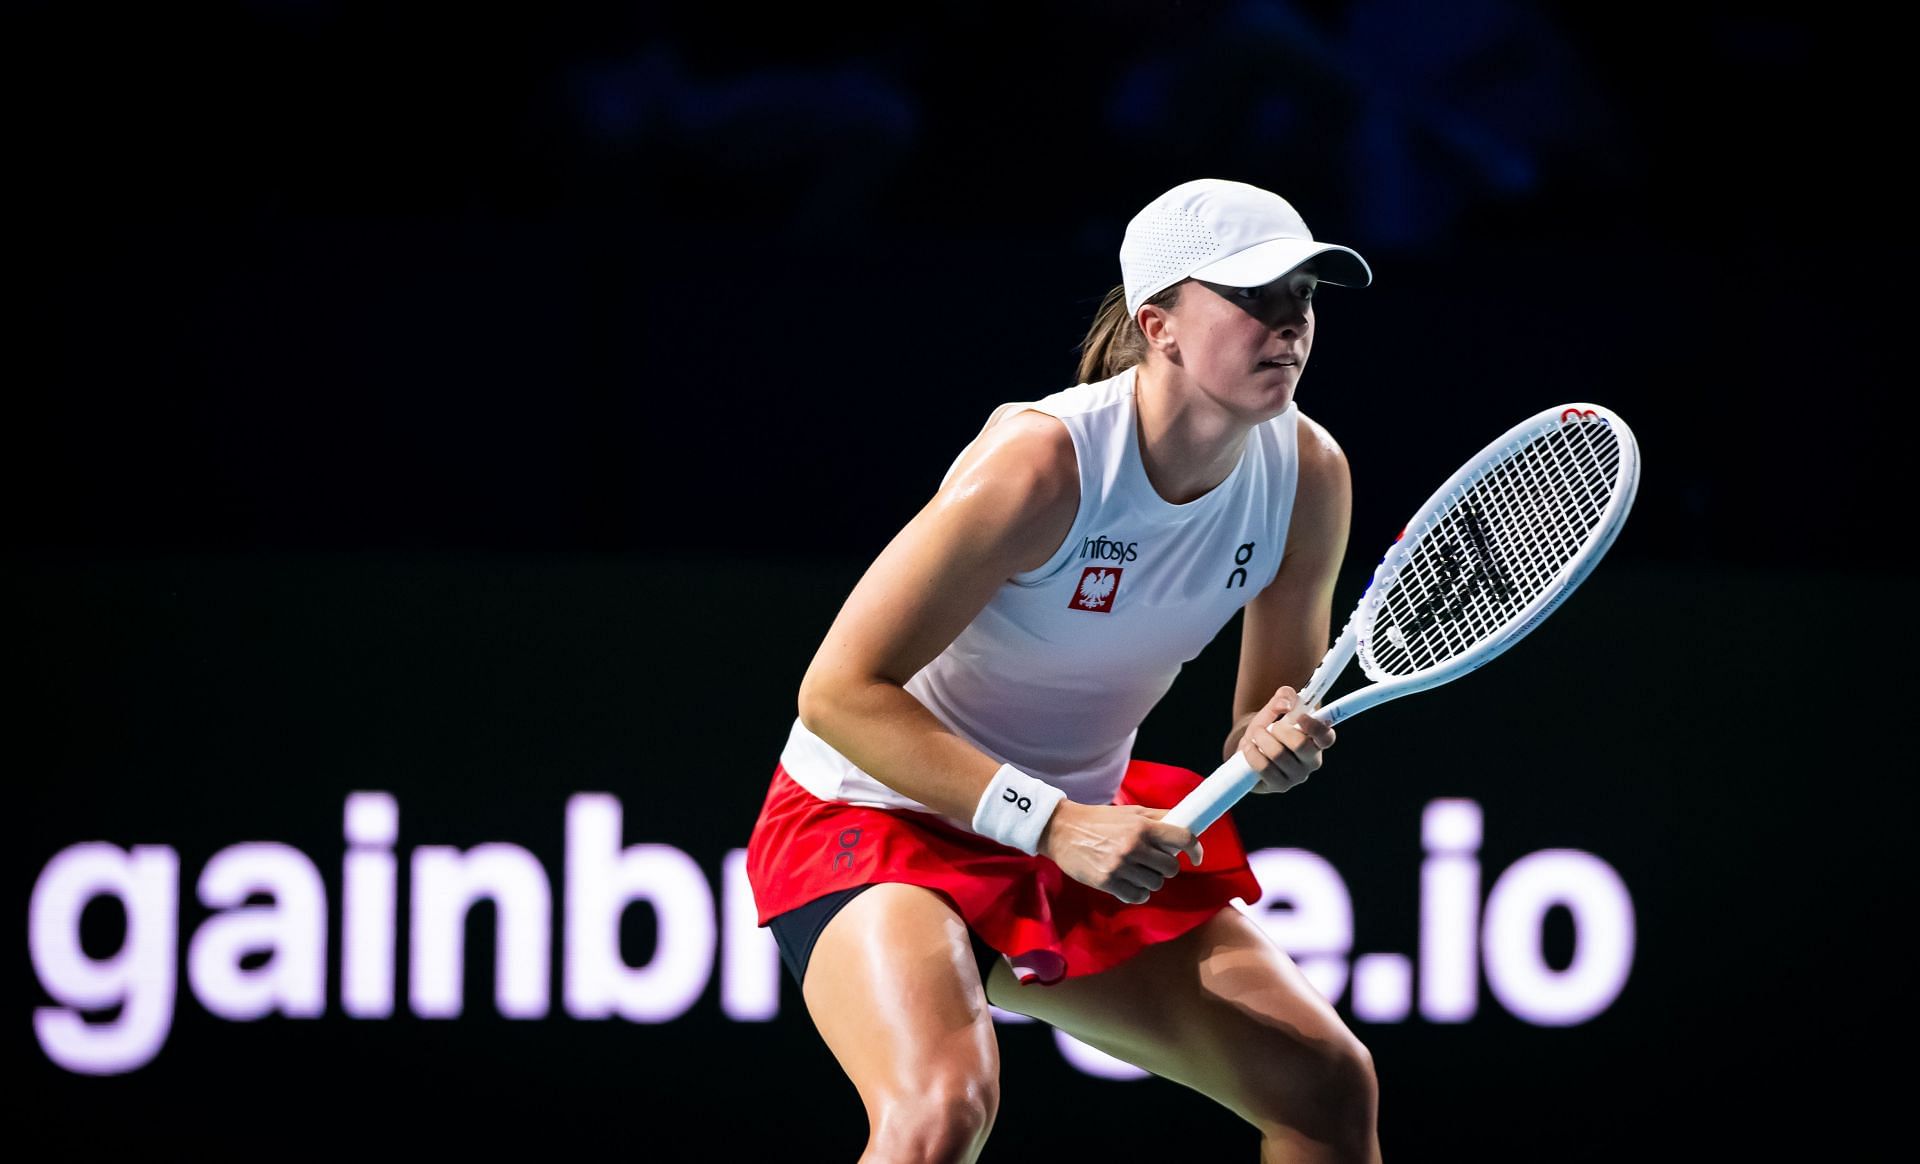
(1157, 325)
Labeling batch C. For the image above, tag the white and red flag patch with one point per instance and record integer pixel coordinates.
(1098, 586)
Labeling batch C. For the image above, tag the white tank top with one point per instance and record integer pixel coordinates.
(1056, 673)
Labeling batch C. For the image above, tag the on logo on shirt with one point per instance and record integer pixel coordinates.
(1098, 586)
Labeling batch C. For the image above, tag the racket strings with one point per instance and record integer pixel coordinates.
(1497, 544)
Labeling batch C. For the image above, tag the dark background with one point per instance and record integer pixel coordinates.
(488, 406)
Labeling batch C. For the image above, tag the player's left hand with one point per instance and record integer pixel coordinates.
(1283, 743)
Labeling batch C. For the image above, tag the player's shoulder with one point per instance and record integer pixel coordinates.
(1021, 446)
(1030, 444)
(1116, 392)
(1016, 486)
(1320, 455)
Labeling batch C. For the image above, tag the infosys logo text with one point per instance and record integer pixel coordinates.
(1108, 550)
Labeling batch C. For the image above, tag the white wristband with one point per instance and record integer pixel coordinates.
(1015, 808)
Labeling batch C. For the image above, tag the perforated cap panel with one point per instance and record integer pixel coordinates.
(1175, 242)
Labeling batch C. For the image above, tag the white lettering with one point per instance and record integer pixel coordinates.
(1305, 908)
(602, 880)
(138, 978)
(370, 901)
(1518, 973)
(750, 967)
(446, 884)
(252, 958)
(1449, 911)
(1382, 988)
(292, 932)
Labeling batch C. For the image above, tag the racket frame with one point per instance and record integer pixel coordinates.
(1235, 778)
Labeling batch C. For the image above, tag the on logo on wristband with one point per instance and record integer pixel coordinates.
(1014, 809)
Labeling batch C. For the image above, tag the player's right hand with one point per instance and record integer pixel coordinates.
(1283, 743)
(1122, 849)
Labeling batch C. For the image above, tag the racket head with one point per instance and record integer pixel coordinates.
(1498, 547)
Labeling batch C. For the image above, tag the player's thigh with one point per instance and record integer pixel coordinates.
(893, 988)
(1221, 1009)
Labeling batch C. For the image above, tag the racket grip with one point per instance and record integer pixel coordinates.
(1212, 797)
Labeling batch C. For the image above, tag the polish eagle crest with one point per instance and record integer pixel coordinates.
(1096, 587)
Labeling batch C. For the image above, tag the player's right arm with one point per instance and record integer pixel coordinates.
(1004, 508)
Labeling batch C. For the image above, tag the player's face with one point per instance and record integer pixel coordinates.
(1247, 346)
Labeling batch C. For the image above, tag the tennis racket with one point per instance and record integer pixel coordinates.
(1489, 555)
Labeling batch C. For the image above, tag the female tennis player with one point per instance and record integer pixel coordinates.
(957, 818)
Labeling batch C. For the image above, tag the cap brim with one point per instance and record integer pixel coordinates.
(1262, 263)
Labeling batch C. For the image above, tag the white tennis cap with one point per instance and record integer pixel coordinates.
(1225, 232)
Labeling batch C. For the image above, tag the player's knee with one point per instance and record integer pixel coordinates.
(938, 1120)
(1336, 1102)
(1349, 1092)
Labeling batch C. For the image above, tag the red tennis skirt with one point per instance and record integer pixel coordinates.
(1050, 926)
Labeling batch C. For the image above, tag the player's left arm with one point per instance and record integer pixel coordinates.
(1286, 628)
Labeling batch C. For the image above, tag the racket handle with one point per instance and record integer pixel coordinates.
(1212, 797)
